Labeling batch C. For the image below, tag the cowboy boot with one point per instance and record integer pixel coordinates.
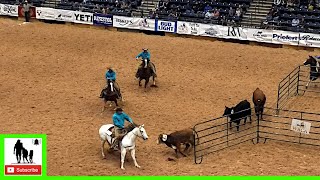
(114, 144)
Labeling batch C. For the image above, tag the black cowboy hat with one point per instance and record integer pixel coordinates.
(118, 109)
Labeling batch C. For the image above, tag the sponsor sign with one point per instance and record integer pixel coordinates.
(45, 13)
(166, 26)
(32, 12)
(310, 40)
(230, 32)
(82, 17)
(188, 28)
(134, 23)
(8, 10)
(102, 19)
(63, 15)
(210, 30)
(147, 24)
(259, 35)
(23, 156)
(300, 126)
(285, 37)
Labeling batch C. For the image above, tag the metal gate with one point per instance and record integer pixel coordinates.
(215, 135)
(295, 84)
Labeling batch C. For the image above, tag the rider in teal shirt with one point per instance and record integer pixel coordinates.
(145, 55)
(118, 120)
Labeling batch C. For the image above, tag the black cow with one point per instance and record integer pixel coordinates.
(241, 110)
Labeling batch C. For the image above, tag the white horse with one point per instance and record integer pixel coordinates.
(127, 143)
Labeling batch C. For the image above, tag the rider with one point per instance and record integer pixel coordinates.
(111, 76)
(145, 54)
(118, 121)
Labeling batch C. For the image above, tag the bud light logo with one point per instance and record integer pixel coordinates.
(166, 26)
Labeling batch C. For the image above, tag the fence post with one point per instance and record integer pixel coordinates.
(227, 132)
(277, 112)
(298, 81)
(300, 132)
(258, 130)
(194, 147)
(289, 85)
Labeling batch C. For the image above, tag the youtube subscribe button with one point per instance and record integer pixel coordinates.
(23, 170)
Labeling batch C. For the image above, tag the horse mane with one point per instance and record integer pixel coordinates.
(130, 127)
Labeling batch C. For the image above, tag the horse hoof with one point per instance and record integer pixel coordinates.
(123, 168)
(138, 166)
(104, 157)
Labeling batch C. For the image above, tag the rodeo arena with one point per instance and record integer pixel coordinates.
(164, 87)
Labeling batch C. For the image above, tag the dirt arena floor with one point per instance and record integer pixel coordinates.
(51, 77)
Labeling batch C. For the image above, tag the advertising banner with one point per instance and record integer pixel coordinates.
(166, 26)
(45, 13)
(134, 23)
(63, 15)
(102, 19)
(210, 30)
(8, 10)
(188, 28)
(231, 32)
(260, 35)
(309, 40)
(82, 17)
(285, 37)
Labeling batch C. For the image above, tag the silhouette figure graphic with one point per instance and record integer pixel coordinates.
(31, 156)
(25, 155)
(18, 150)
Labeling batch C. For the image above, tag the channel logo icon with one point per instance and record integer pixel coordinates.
(10, 169)
(23, 156)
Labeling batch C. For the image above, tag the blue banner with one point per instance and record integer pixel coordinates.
(102, 19)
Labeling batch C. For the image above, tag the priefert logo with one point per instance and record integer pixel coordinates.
(285, 38)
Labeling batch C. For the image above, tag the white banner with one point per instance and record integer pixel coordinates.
(134, 23)
(166, 26)
(285, 37)
(8, 10)
(230, 32)
(210, 30)
(45, 13)
(300, 126)
(309, 40)
(63, 15)
(82, 17)
(188, 28)
(260, 35)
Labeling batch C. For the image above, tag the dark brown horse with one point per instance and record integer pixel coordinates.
(145, 72)
(314, 69)
(111, 94)
(259, 99)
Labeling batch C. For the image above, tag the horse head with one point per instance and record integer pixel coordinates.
(109, 91)
(310, 61)
(145, 63)
(142, 132)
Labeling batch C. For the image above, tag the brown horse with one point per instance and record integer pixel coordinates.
(110, 94)
(145, 72)
(259, 99)
(314, 68)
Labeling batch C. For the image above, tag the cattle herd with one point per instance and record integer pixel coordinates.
(241, 111)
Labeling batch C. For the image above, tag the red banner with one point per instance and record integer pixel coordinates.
(22, 169)
(32, 12)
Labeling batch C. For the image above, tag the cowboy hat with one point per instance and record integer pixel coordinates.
(118, 109)
(145, 49)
